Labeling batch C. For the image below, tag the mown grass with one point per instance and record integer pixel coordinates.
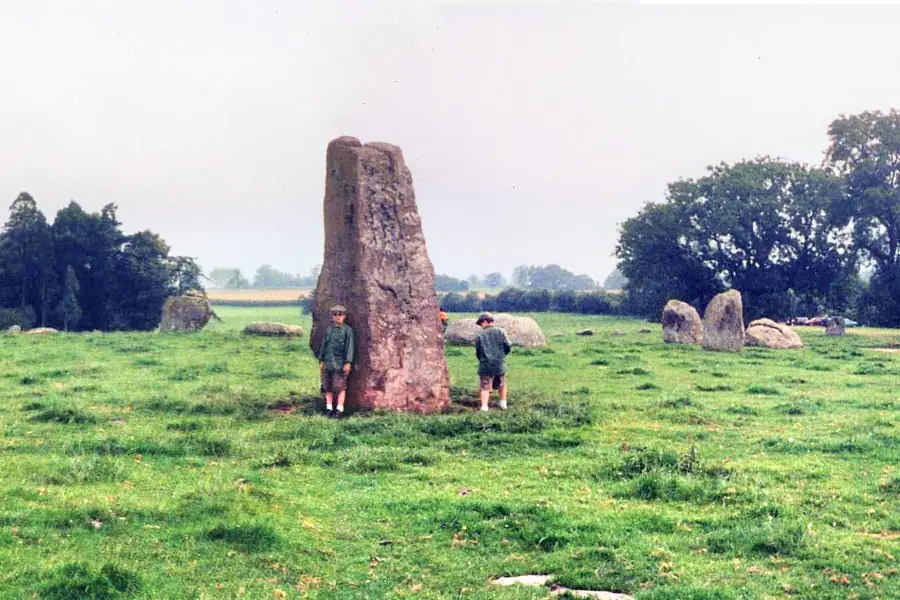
(198, 466)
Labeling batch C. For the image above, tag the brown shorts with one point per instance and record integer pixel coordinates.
(334, 382)
(492, 381)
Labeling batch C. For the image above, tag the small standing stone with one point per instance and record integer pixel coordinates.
(723, 323)
(835, 326)
(585, 332)
(681, 324)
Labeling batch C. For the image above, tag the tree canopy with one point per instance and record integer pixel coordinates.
(82, 272)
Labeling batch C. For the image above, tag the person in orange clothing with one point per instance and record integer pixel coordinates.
(445, 320)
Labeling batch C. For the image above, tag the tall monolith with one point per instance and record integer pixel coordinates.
(377, 266)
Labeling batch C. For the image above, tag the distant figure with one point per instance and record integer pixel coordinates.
(335, 357)
(491, 347)
(445, 320)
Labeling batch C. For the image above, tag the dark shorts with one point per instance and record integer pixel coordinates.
(334, 382)
(492, 381)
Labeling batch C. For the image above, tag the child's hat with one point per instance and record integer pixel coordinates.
(485, 317)
(337, 308)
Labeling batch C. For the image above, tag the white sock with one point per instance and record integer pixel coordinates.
(503, 405)
(484, 409)
(329, 406)
(340, 409)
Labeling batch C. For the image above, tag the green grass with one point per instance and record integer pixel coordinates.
(198, 466)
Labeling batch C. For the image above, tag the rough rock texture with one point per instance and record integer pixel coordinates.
(681, 324)
(522, 331)
(185, 313)
(769, 334)
(585, 332)
(723, 323)
(40, 331)
(275, 329)
(835, 326)
(377, 266)
(645, 330)
(14, 329)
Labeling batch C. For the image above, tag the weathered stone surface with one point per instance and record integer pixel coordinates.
(723, 323)
(185, 313)
(645, 330)
(618, 332)
(585, 332)
(769, 334)
(835, 326)
(681, 324)
(273, 329)
(377, 266)
(522, 331)
(40, 331)
(14, 329)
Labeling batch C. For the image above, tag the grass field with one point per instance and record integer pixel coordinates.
(197, 466)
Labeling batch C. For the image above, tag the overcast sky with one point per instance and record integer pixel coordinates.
(531, 131)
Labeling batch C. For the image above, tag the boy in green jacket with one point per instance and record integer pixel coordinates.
(491, 347)
(335, 357)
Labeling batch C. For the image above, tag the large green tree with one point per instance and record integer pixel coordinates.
(865, 150)
(764, 227)
(27, 277)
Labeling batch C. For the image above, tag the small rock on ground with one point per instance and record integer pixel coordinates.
(585, 332)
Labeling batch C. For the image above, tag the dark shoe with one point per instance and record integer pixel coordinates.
(329, 413)
(338, 414)
(334, 414)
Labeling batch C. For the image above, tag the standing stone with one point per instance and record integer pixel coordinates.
(190, 312)
(681, 324)
(377, 266)
(723, 323)
(835, 326)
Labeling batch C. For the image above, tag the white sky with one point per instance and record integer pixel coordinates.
(531, 130)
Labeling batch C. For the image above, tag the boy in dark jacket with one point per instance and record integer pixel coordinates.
(491, 347)
(335, 357)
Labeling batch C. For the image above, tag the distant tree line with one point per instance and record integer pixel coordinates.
(793, 239)
(266, 277)
(532, 277)
(82, 272)
(518, 300)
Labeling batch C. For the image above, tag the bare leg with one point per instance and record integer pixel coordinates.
(329, 401)
(485, 396)
(503, 397)
(342, 395)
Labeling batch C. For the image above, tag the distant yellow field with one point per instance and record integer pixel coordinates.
(257, 295)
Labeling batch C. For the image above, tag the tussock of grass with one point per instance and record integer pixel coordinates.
(634, 371)
(82, 581)
(88, 468)
(742, 409)
(245, 538)
(647, 386)
(763, 390)
(64, 416)
(713, 388)
(742, 538)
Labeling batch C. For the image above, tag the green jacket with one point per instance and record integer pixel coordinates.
(336, 349)
(491, 347)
